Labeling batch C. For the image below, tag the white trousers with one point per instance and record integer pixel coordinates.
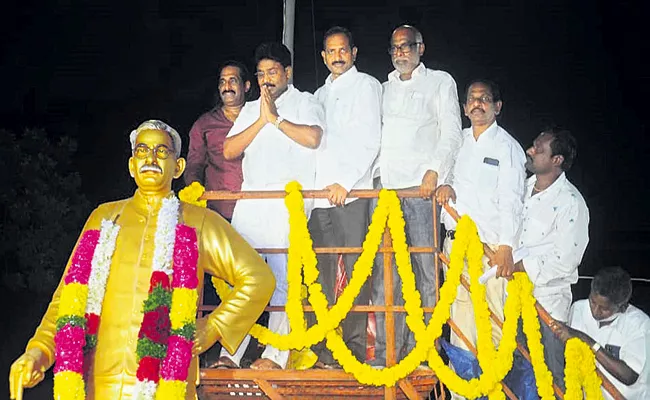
(278, 321)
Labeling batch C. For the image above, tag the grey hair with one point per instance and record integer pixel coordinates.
(157, 125)
(414, 30)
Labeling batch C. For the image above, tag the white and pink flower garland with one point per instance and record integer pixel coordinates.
(165, 340)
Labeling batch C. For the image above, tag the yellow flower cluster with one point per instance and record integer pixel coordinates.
(73, 300)
(183, 309)
(171, 390)
(69, 385)
(192, 193)
(580, 372)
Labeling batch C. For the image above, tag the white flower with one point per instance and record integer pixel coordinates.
(145, 390)
(165, 235)
(101, 266)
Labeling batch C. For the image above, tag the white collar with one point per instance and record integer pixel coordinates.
(343, 78)
(419, 70)
(283, 97)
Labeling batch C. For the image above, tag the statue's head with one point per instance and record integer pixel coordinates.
(156, 156)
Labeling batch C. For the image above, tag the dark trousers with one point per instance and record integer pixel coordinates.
(341, 227)
(553, 354)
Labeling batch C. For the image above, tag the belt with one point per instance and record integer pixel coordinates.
(451, 234)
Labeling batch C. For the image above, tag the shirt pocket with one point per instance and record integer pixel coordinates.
(406, 104)
(489, 175)
(338, 113)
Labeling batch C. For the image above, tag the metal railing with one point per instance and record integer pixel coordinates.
(389, 308)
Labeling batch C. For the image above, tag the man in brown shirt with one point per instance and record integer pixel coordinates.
(205, 161)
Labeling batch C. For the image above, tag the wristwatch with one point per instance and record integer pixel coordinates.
(596, 347)
(278, 121)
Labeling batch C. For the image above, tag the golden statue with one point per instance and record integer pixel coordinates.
(222, 252)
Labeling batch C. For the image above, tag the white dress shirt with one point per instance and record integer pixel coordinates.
(488, 178)
(421, 127)
(352, 105)
(629, 336)
(271, 161)
(555, 231)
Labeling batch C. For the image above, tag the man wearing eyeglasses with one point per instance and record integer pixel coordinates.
(278, 134)
(486, 183)
(420, 137)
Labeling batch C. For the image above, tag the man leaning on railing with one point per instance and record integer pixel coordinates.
(420, 139)
(487, 183)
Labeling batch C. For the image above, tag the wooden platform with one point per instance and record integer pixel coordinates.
(309, 384)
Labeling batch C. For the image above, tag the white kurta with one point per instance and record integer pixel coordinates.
(488, 178)
(421, 127)
(629, 336)
(352, 105)
(270, 162)
(555, 232)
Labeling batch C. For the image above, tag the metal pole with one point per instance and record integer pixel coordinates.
(289, 21)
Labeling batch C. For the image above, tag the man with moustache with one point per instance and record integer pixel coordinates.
(352, 102)
(114, 371)
(278, 136)
(420, 139)
(206, 163)
(486, 183)
(554, 233)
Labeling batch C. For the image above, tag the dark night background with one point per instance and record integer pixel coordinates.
(94, 70)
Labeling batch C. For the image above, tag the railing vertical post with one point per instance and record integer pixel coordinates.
(389, 320)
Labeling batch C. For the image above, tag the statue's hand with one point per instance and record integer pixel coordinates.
(205, 337)
(27, 371)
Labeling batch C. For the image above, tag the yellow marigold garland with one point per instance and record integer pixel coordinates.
(543, 376)
(580, 372)
(484, 345)
(495, 364)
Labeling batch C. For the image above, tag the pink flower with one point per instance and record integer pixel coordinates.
(177, 362)
(69, 343)
(186, 255)
(80, 266)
